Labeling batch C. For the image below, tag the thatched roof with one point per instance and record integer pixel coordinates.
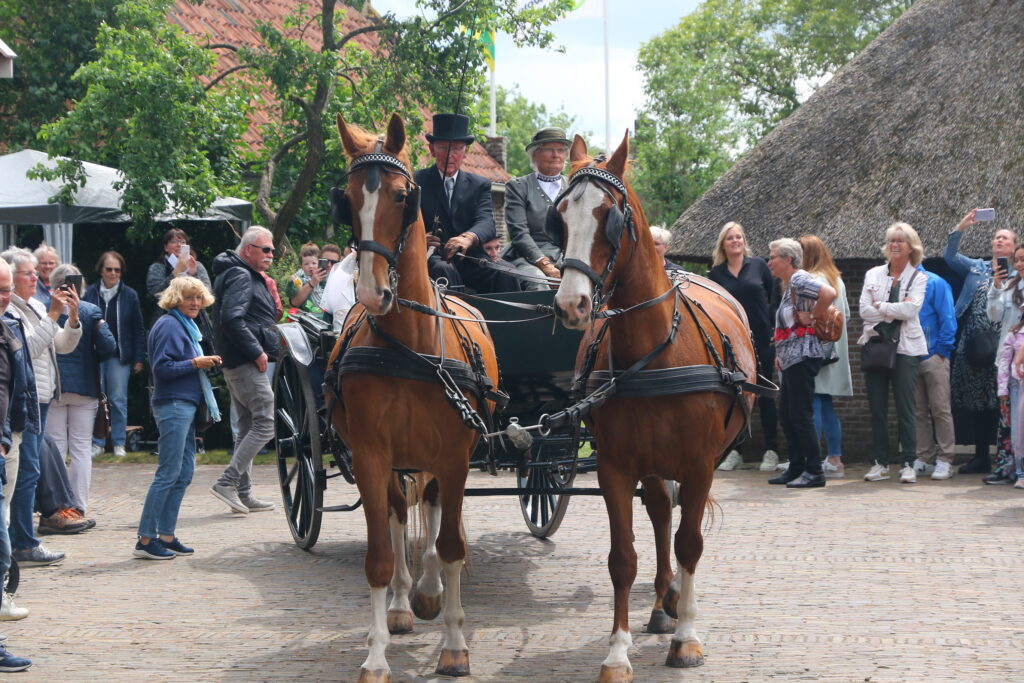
(925, 124)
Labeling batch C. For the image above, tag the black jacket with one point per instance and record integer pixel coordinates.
(244, 312)
(471, 209)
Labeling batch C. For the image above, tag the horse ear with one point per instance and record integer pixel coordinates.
(578, 151)
(347, 141)
(395, 140)
(617, 164)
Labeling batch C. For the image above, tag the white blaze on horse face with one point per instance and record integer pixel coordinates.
(366, 286)
(581, 232)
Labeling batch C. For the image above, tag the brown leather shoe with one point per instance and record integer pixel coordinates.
(63, 521)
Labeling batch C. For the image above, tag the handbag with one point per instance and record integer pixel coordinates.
(203, 419)
(829, 327)
(101, 423)
(980, 349)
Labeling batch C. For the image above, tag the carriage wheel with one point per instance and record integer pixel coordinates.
(543, 512)
(297, 431)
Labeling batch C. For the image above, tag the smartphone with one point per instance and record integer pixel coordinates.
(324, 264)
(183, 252)
(1003, 263)
(985, 215)
(74, 281)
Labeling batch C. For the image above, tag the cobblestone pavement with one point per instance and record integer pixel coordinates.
(853, 582)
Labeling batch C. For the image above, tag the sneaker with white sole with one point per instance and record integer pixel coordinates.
(255, 504)
(731, 462)
(769, 461)
(9, 663)
(943, 470)
(39, 556)
(119, 452)
(877, 473)
(11, 612)
(833, 471)
(97, 450)
(229, 496)
(782, 466)
(908, 475)
(922, 467)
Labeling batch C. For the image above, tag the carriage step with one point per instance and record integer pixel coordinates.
(536, 491)
(341, 508)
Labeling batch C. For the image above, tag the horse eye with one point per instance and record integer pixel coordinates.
(401, 196)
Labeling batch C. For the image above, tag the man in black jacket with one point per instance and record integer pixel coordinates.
(243, 316)
(457, 211)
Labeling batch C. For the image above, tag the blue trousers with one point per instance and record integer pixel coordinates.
(175, 465)
(23, 500)
(114, 376)
(826, 420)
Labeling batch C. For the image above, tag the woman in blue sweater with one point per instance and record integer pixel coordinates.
(181, 391)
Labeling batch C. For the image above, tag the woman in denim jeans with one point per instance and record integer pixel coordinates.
(180, 388)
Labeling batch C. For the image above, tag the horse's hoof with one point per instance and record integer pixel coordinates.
(426, 607)
(671, 601)
(684, 654)
(453, 663)
(375, 676)
(399, 621)
(661, 622)
(615, 674)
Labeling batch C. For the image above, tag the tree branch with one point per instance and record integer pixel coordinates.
(224, 74)
(453, 10)
(221, 46)
(358, 32)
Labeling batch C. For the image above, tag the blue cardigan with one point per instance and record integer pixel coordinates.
(170, 356)
(80, 368)
(131, 335)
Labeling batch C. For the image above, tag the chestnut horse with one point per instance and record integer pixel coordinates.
(673, 436)
(391, 421)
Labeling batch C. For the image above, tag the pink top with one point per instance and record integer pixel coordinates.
(1011, 344)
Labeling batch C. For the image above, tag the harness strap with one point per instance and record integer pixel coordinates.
(684, 380)
(417, 307)
(584, 267)
(392, 362)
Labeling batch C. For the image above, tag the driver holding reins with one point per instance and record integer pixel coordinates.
(457, 211)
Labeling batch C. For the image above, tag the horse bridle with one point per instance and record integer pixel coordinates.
(378, 161)
(619, 217)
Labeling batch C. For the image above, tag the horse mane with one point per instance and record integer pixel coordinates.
(367, 140)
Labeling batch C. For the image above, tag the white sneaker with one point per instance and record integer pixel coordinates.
(943, 470)
(97, 450)
(731, 462)
(11, 612)
(769, 462)
(908, 475)
(782, 466)
(922, 467)
(877, 473)
(833, 471)
(119, 452)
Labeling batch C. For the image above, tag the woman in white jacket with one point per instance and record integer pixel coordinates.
(889, 303)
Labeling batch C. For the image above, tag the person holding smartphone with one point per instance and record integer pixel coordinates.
(305, 288)
(177, 258)
(1005, 297)
(974, 388)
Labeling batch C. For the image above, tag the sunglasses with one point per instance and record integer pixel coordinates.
(265, 250)
(108, 269)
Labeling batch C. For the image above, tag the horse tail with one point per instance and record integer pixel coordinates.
(711, 507)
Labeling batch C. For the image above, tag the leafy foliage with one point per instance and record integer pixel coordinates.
(156, 107)
(727, 74)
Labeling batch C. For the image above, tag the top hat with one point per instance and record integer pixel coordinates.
(549, 134)
(450, 128)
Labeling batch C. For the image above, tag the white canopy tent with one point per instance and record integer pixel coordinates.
(24, 201)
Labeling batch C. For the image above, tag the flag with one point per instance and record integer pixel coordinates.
(487, 46)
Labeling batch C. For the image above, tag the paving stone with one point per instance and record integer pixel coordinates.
(853, 582)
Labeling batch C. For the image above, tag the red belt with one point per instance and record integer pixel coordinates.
(795, 331)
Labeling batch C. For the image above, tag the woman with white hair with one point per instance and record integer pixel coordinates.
(889, 305)
(799, 356)
(750, 282)
(661, 239)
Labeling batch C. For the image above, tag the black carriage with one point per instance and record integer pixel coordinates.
(536, 360)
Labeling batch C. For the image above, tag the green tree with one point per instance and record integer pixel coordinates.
(518, 119)
(52, 40)
(302, 81)
(727, 74)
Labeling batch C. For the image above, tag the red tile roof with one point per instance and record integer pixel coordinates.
(235, 22)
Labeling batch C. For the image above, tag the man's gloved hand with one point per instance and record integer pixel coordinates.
(459, 244)
(548, 267)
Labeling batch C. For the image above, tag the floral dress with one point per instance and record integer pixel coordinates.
(974, 388)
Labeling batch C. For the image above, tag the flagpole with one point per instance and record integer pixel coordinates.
(607, 88)
(494, 105)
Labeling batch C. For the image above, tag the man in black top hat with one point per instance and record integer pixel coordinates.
(457, 211)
